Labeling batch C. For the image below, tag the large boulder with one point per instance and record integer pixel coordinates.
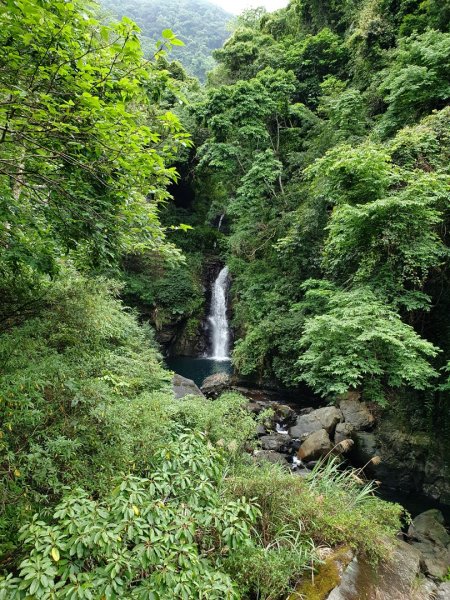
(216, 384)
(276, 442)
(184, 387)
(356, 413)
(316, 445)
(261, 456)
(323, 418)
(430, 537)
(430, 526)
(393, 579)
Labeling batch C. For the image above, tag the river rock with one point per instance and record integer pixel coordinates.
(430, 537)
(316, 445)
(184, 387)
(393, 579)
(261, 456)
(260, 430)
(443, 591)
(344, 431)
(365, 447)
(276, 442)
(430, 526)
(322, 418)
(214, 385)
(356, 413)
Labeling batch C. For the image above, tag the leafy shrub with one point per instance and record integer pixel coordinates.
(416, 81)
(82, 391)
(225, 421)
(161, 537)
(170, 292)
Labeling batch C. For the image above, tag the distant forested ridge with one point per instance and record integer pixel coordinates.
(201, 25)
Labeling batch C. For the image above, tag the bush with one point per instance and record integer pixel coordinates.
(161, 537)
(82, 396)
(329, 507)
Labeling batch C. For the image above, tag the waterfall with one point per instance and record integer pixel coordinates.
(220, 332)
(219, 226)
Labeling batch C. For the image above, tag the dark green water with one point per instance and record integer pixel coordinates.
(197, 368)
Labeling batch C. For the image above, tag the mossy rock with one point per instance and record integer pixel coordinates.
(327, 577)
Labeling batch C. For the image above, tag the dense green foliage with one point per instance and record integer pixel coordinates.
(323, 137)
(200, 24)
(87, 409)
(85, 136)
(328, 129)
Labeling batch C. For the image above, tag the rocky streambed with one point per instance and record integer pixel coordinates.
(297, 437)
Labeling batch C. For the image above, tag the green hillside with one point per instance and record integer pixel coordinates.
(201, 25)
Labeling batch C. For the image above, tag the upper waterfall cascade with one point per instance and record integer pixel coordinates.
(220, 331)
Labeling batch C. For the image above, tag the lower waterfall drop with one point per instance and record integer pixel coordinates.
(220, 331)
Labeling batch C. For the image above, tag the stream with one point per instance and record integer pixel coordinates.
(217, 360)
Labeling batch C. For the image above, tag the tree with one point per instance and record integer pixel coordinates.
(83, 142)
(359, 342)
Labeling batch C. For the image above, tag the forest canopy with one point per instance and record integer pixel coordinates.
(201, 25)
(320, 143)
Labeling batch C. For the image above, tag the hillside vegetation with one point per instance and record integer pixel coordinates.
(327, 148)
(323, 136)
(200, 24)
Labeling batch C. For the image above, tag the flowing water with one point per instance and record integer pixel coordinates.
(218, 319)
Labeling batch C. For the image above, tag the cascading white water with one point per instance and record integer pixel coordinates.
(220, 331)
(219, 226)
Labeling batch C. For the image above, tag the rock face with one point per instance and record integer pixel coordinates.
(443, 591)
(394, 579)
(412, 461)
(356, 413)
(184, 387)
(365, 447)
(216, 384)
(316, 445)
(430, 537)
(323, 418)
